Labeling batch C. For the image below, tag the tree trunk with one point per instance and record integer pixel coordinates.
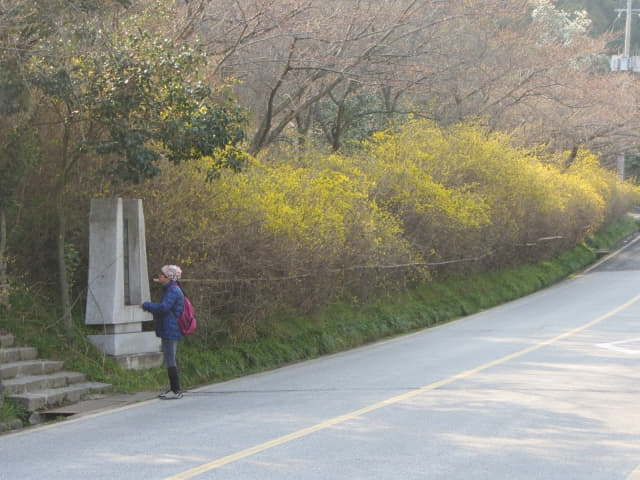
(62, 270)
(4, 280)
(572, 156)
(65, 164)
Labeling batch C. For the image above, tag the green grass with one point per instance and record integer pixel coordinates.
(288, 338)
(11, 410)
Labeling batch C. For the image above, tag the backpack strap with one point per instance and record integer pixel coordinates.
(183, 295)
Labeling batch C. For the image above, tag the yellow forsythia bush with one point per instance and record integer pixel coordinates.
(464, 193)
(298, 232)
(437, 218)
(269, 235)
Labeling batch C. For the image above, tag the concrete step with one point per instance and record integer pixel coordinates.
(37, 384)
(28, 367)
(31, 383)
(6, 341)
(32, 401)
(16, 354)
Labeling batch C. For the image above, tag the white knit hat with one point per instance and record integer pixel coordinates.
(172, 272)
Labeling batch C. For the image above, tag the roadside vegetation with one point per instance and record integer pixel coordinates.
(315, 198)
(288, 337)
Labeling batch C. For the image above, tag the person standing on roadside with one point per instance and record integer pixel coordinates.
(165, 315)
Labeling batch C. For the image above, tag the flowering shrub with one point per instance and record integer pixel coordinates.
(297, 233)
(465, 193)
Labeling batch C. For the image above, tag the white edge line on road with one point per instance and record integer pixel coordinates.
(79, 418)
(614, 346)
(611, 255)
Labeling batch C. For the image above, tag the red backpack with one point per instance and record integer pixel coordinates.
(187, 319)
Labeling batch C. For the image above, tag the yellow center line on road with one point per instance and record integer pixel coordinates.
(635, 475)
(384, 403)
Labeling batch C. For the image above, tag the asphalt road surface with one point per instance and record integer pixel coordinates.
(546, 387)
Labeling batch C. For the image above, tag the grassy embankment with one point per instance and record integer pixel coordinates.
(288, 338)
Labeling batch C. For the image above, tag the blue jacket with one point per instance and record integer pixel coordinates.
(166, 312)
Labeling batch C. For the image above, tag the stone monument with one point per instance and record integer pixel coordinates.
(119, 283)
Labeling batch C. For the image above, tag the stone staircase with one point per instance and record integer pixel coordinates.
(36, 384)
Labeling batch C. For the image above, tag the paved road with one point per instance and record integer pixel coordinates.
(546, 387)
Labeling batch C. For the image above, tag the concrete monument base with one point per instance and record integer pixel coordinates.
(126, 343)
(119, 283)
(140, 361)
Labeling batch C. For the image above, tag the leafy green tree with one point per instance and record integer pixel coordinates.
(16, 146)
(144, 101)
(125, 96)
(17, 154)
